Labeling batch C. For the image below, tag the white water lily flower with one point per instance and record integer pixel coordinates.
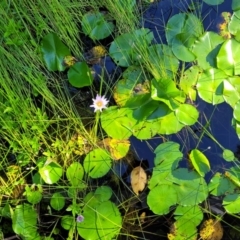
(99, 103)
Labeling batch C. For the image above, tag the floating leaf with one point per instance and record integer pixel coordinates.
(103, 193)
(231, 203)
(163, 62)
(118, 123)
(189, 80)
(33, 194)
(97, 163)
(200, 162)
(161, 198)
(51, 172)
(54, 52)
(117, 148)
(228, 155)
(210, 86)
(235, 5)
(75, 174)
(220, 185)
(67, 222)
(228, 58)
(101, 221)
(24, 221)
(230, 93)
(57, 201)
(79, 75)
(186, 214)
(125, 49)
(187, 114)
(206, 49)
(183, 231)
(236, 111)
(95, 26)
(138, 179)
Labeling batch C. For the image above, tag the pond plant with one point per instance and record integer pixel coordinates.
(68, 169)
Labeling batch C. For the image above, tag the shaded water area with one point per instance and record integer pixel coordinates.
(220, 116)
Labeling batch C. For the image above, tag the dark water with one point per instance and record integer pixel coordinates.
(220, 127)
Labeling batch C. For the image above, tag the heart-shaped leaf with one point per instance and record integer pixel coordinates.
(79, 75)
(54, 52)
(97, 163)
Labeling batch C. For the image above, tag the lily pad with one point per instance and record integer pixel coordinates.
(125, 49)
(51, 172)
(228, 155)
(189, 80)
(79, 75)
(54, 52)
(199, 162)
(161, 198)
(103, 221)
(75, 174)
(210, 86)
(187, 114)
(57, 201)
(230, 93)
(206, 49)
(231, 203)
(228, 58)
(118, 123)
(95, 26)
(97, 163)
(220, 185)
(24, 221)
(236, 111)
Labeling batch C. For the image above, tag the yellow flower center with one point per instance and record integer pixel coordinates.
(99, 104)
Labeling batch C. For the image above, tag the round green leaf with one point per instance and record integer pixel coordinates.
(220, 185)
(199, 162)
(51, 172)
(161, 198)
(54, 52)
(118, 123)
(163, 60)
(169, 124)
(186, 214)
(180, 50)
(75, 174)
(206, 49)
(124, 50)
(236, 111)
(95, 26)
(191, 188)
(67, 222)
(213, 2)
(33, 195)
(228, 58)
(79, 75)
(210, 86)
(97, 163)
(228, 155)
(235, 5)
(57, 201)
(187, 114)
(189, 79)
(103, 193)
(230, 93)
(24, 221)
(231, 203)
(103, 221)
(234, 24)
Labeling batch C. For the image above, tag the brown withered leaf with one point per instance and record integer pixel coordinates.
(138, 179)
